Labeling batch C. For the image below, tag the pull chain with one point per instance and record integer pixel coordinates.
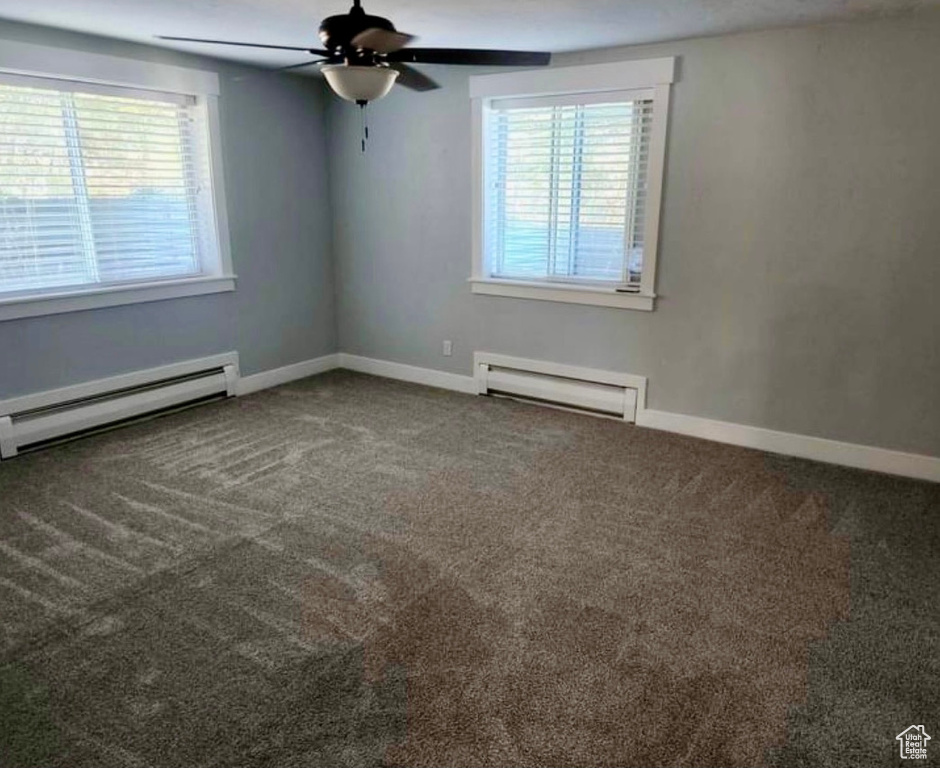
(363, 123)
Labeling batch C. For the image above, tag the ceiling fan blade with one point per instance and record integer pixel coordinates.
(470, 56)
(381, 40)
(412, 78)
(300, 66)
(243, 45)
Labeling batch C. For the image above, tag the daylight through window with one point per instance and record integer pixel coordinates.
(566, 188)
(100, 186)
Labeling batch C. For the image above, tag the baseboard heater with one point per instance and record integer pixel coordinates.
(35, 420)
(589, 390)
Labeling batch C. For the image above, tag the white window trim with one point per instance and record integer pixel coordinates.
(655, 74)
(66, 64)
(63, 64)
(33, 305)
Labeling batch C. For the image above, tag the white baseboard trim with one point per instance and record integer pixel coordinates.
(803, 446)
(402, 372)
(277, 376)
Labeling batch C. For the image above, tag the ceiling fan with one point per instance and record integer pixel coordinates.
(363, 56)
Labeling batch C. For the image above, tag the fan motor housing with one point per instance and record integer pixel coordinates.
(337, 32)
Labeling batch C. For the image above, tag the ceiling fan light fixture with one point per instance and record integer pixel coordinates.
(359, 84)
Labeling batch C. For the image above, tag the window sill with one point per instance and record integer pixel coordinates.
(571, 294)
(14, 307)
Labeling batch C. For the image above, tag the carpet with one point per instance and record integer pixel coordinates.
(348, 570)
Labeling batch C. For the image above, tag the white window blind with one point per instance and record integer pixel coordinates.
(100, 185)
(566, 188)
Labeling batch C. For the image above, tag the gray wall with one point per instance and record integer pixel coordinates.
(800, 254)
(274, 154)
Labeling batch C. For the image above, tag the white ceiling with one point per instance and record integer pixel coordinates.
(553, 25)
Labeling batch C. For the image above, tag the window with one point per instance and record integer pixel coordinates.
(569, 183)
(567, 191)
(105, 191)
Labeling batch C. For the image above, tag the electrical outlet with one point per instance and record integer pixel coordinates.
(448, 348)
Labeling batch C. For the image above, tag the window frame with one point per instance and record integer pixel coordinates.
(653, 76)
(216, 276)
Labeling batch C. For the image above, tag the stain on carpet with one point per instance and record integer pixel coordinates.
(352, 571)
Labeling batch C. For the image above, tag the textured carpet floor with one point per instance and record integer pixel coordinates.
(354, 571)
